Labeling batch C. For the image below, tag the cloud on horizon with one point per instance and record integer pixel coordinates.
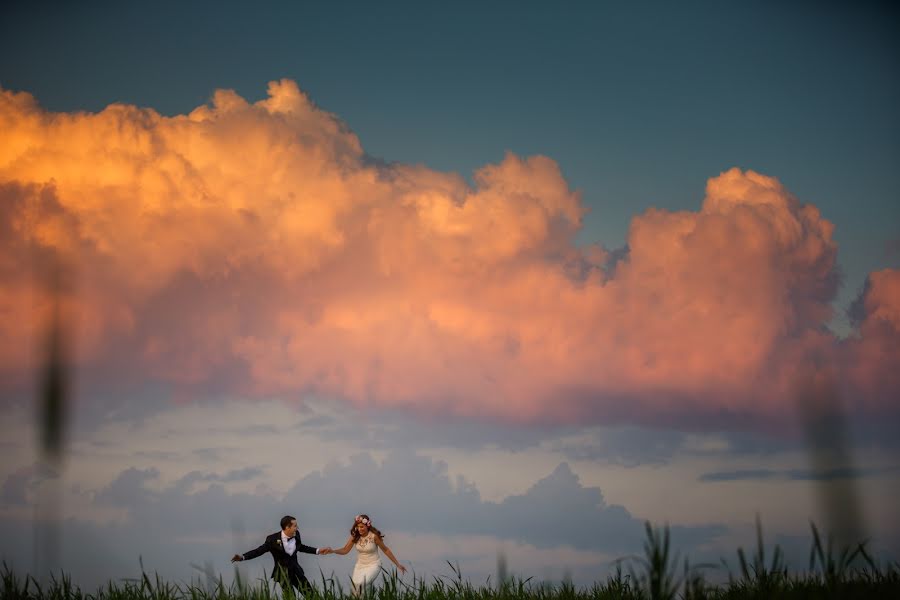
(181, 521)
(255, 250)
(796, 474)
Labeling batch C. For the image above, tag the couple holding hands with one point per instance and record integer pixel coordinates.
(285, 545)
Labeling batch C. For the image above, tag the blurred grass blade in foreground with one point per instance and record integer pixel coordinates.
(52, 418)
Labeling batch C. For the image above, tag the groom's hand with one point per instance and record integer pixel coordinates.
(325, 550)
(237, 558)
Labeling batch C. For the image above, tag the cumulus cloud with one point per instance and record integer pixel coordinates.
(556, 511)
(254, 249)
(871, 357)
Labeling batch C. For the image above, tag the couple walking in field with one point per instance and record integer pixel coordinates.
(284, 546)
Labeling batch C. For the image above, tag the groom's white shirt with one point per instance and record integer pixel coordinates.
(290, 544)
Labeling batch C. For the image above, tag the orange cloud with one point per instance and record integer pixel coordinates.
(256, 249)
(871, 356)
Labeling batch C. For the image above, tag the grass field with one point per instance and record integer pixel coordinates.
(847, 572)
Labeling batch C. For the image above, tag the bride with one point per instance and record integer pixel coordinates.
(367, 540)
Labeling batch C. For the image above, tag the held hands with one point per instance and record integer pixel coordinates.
(325, 550)
(237, 558)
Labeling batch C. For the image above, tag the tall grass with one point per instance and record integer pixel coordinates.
(834, 572)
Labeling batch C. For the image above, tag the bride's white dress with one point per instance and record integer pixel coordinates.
(368, 562)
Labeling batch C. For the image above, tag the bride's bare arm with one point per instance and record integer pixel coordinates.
(346, 547)
(388, 553)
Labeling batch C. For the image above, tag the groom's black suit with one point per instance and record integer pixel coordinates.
(284, 563)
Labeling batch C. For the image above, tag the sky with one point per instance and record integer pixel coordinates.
(512, 279)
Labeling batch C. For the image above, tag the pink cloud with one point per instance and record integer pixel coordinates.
(871, 356)
(254, 249)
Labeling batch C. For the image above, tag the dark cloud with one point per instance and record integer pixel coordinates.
(615, 444)
(616, 256)
(626, 446)
(559, 510)
(253, 429)
(796, 474)
(405, 493)
(244, 474)
(318, 421)
(856, 311)
(212, 454)
(13, 492)
(154, 454)
(19, 484)
(393, 429)
(415, 494)
(128, 489)
(739, 475)
(101, 399)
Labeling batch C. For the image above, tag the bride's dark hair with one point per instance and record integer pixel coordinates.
(355, 534)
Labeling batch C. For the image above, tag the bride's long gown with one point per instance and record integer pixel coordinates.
(368, 563)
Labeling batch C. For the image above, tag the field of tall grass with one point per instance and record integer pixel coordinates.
(848, 572)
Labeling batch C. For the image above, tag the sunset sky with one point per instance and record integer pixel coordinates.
(509, 277)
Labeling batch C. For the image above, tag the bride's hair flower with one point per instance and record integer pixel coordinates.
(363, 520)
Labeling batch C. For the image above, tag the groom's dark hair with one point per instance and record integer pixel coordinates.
(286, 520)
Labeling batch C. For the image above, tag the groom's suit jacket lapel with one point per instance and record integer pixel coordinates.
(275, 540)
(279, 543)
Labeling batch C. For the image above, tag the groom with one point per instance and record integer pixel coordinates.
(284, 546)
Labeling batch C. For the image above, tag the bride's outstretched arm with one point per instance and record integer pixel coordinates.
(389, 554)
(346, 547)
